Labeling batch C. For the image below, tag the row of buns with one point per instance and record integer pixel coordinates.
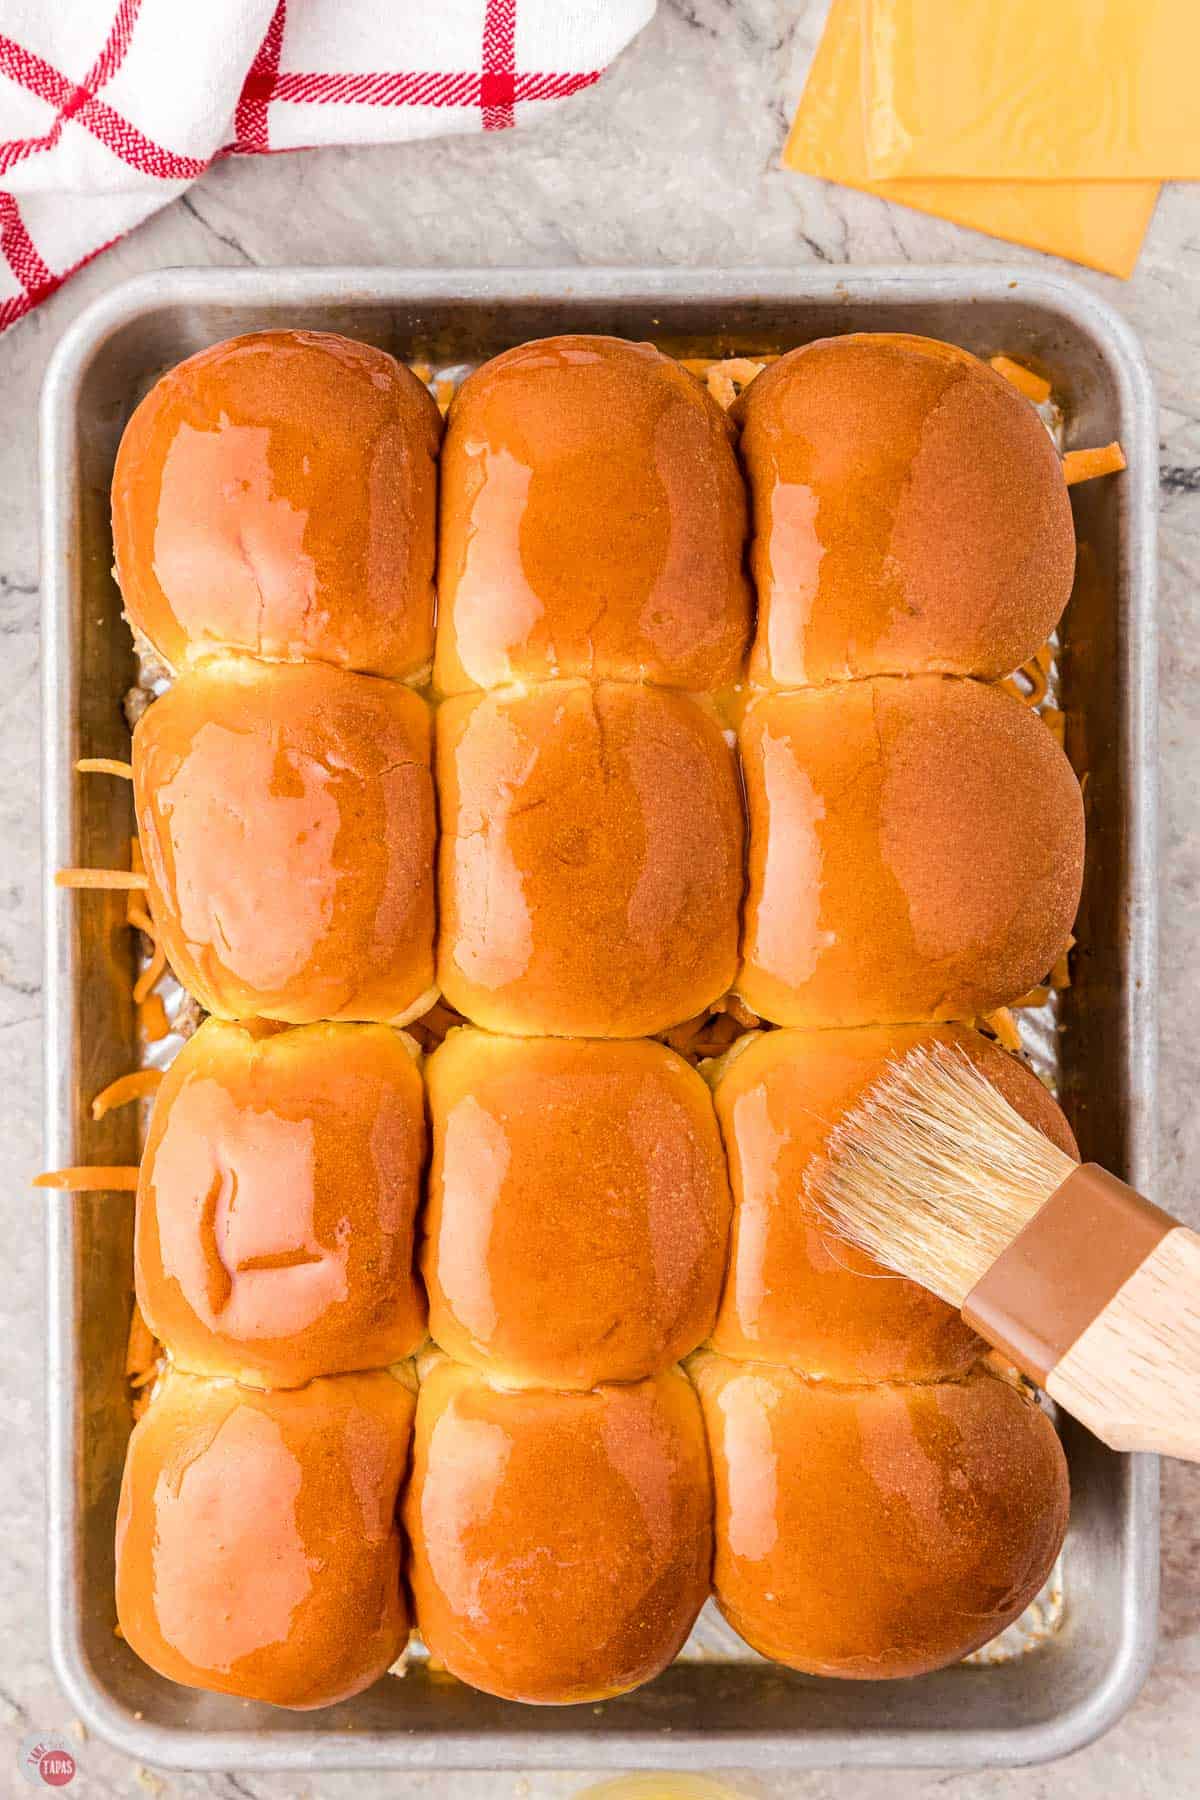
(915, 850)
(278, 495)
(863, 1493)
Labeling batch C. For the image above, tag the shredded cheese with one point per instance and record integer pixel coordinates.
(153, 1020)
(1055, 723)
(711, 1032)
(1034, 387)
(737, 1009)
(104, 765)
(100, 878)
(141, 1347)
(431, 1028)
(725, 377)
(150, 975)
(1086, 465)
(96, 1178)
(1037, 673)
(1004, 1027)
(134, 1086)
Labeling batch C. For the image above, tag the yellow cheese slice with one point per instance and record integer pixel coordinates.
(1101, 225)
(1032, 90)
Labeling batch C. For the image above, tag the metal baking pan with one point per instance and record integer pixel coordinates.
(711, 1712)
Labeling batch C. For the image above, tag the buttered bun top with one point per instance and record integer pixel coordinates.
(277, 1202)
(286, 818)
(561, 1543)
(590, 863)
(916, 852)
(578, 1207)
(258, 1551)
(910, 514)
(796, 1292)
(882, 1531)
(276, 494)
(593, 522)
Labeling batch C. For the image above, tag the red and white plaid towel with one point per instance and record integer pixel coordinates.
(109, 108)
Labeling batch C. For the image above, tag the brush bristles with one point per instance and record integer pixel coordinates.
(934, 1173)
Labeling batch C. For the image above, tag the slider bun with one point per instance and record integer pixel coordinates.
(276, 494)
(590, 866)
(286, 817)
(276, 1202)
(578, 1207)
(257, 1546)
(910, 514)
(561, 1543)
(876, 1532)
(916, 852)
(796, 1293)
(593, 522)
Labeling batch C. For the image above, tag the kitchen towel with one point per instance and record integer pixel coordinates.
(110, 108)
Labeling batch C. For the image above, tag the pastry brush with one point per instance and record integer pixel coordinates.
(1092, 1291)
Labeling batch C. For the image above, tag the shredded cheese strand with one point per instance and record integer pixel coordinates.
(1004, 1025)
(97, 1178)
(100, 878)
(150, 975)
(134, 1086)
(152, 1017)
(137, 916)
(1086, 465)
(104, 765)
(141, 1348)
(1034, 387)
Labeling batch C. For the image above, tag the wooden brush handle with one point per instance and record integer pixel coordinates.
(1097, 1298)
(1133, 1376)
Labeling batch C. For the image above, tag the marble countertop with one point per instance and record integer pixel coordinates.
(673, 159)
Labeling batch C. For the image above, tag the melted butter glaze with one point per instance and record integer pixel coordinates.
(277, 1199)
(257, 1546)
(590, 866)
(561, 1543)
(593, 522)
(910, 514)
(578, 1207)
(286, 818)
(881, 1531)
(796, 1293)
(276, 494)
(916, 852)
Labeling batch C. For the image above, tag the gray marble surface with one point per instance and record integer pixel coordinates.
(673, 159)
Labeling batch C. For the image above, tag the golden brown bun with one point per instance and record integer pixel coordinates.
(796, 1293)
(257, 1546)
(561, 1543)
(593, 522)
(875, 1532)
(287, 823)
(578, 1207)
(590, 868)
(277, 1199)
(910, 514)
(276, 494)
(916, 852)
